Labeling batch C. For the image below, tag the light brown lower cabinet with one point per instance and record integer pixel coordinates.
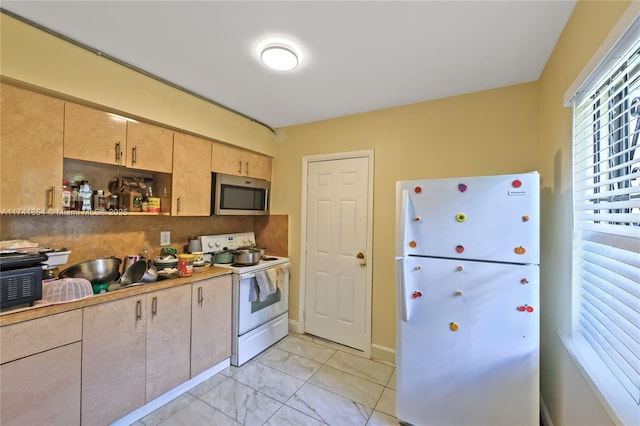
(42, 389)
(168, 339)
(40, 371)
(210, 323)
(134, 350)
(113, 359)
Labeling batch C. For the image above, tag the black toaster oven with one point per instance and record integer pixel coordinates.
(20, 278)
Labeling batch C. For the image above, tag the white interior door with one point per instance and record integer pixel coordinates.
(337, 280)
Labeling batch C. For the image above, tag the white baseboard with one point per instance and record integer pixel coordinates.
(545, 418)
(151, 406)
(383, 353)
(296, 327)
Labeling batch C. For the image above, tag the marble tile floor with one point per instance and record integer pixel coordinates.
(299, 381)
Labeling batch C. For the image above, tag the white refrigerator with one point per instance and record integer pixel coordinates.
(467, 277)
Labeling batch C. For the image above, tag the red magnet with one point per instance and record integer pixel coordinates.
(417, 189)
(462, 187)
(516, 183)
(529, 308)
(522, 308)
(416, 294)
(524, 281)
(459, 248)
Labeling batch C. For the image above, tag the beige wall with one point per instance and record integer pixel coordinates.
(512, 129)
(568, 397)
(489, 132)
(41, 60)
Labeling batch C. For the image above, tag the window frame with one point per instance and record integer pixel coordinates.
(615, 397)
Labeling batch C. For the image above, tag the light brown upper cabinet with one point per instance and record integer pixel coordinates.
(31, 135)
(239, 162)
(191, 177)
(94, 135)
(149, 147)
(102, 137)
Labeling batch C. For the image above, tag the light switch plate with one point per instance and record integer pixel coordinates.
(165, 238)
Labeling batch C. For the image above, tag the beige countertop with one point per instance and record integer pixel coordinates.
(43, 308)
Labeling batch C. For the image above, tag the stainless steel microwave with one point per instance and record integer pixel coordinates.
(238, 195)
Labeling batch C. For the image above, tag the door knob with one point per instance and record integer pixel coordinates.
(362, 258)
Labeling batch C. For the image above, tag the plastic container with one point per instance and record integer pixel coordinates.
(154, 204)
(100, 288)
(185, 265)
(85, 196)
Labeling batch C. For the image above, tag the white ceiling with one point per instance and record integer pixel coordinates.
(358, 55)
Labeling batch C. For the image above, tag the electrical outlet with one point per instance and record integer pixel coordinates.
(165, 238)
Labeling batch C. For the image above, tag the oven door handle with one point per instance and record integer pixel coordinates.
(247, 276)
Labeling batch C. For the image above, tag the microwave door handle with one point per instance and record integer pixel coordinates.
(266, 200)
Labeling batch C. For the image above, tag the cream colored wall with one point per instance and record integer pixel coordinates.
(490, 132)
(41, 60)
(568, 397)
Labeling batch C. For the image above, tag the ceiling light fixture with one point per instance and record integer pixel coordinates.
(279, 54)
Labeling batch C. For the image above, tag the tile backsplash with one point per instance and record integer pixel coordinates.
(91, 237)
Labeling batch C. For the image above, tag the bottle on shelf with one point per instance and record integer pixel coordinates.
(164, 200)
(148, 199)
(66, 195)
(99, 201)
(74, 197)
(85, 196)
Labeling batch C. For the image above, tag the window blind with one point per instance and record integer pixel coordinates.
(606, 173)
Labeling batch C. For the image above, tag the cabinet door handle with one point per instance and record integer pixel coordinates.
(134, 155)
(139, 310)
(200, 296)
(178, 205)
(52, 196)
(240, 167)
(118, 153)
(247, 163)
(154, 306)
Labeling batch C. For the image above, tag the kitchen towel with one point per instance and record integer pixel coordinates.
(265, 286)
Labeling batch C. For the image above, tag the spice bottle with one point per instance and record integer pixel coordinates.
(99, 201)
(66, 195)
(74, 197)
(147, 194)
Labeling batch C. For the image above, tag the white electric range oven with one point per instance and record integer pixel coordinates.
(256, 324)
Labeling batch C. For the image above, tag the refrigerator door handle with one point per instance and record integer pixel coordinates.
(402, 290)
(401, 232)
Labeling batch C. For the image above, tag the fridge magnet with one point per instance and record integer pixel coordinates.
(461, 217)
